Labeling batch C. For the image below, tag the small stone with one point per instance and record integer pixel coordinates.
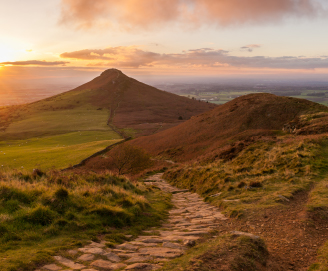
(86, 257)
(161, 252)
(138, 259)
(127, 246)
(108, 265)
(72, 252)
(113, 257)
(52, 267)
(171, 245)
(92, 250)
(240, 233)
(283, 198)
(68, 263)
(142, 266)
(189, 243)
(152, 240)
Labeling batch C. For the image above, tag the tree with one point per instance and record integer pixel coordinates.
(129, 159)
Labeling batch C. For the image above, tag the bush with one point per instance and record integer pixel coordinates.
(127, 159)
(40, 216)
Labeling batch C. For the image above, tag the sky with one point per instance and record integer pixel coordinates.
(67, 39)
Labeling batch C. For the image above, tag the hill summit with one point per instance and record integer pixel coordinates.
(111, 101)
(138, 106)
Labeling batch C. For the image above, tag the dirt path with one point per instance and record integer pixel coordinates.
(189, 219)
(292, 239)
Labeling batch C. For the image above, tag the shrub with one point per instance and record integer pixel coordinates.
(61, 194)
(40, 216)
(127, 159)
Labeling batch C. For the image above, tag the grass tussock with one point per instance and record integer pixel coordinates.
(322, 262)
(257, 177)
(43, 211)
(223, 253)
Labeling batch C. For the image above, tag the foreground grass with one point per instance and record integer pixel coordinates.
(45, 213)
(57, 151)
(263, 175)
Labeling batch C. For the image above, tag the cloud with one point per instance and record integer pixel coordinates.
(133, 57)
(34, 62)
(250, 47)
(132, 14)
(29, 51)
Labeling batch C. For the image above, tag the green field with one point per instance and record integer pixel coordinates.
(227, 96)
(58, 151)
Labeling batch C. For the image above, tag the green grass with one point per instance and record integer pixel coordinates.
(45, 213)
(57, 122)
(257, 177)
(57, 151)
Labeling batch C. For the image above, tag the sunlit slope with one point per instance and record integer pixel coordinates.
(58, 151)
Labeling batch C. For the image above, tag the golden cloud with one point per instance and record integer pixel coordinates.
(132, 14)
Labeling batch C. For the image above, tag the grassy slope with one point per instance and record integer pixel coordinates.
(55, 132)
(42, 215)
(56, 151)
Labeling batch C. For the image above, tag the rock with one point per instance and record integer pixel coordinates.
(107, 265)
(51, 267)
(216, 195)
(138, 259)
(113, 257)
(283, 198)
(172, 245)
(231, 200)
(189, 243)
(179, 191)
(72, 252)
(240, 233)
(161, 252)
(152, 240)
(68, 262)
(126, 246)
(94, 244)
(86, 257)
(92, 250)
(142, 267)
(89, 270)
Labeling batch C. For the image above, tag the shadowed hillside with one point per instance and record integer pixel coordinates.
(227, 129)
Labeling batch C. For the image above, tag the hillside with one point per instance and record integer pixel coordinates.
(77, 123)
(227, 129)
(111, 98)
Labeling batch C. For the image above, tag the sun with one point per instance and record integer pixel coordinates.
(7, 53)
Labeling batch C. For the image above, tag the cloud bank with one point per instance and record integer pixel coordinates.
(133, 57)
(147, 14)
(34, 62)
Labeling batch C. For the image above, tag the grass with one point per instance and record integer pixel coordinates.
(58, 151)
(45, 213)
(222, 253)
(259, 177)
(58, 122)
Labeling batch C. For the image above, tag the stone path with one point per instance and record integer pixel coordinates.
(190, 218)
